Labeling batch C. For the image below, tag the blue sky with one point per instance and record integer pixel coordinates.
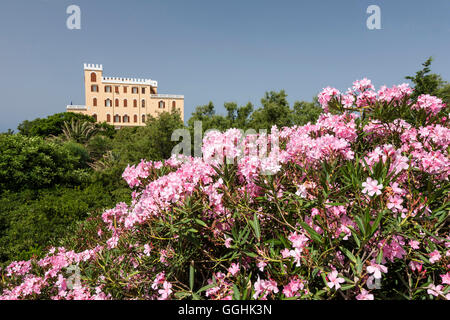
(211, 50)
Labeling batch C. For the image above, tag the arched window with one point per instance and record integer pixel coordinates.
(94, 102)
(126, 119)
(135, 103)
(143, 118)
(108, 118)
(117, 103)
(94, 116)
(135, 118)
(108, 103)
(174, 104)
(161, 104)
(143, 103)
(116, 118)
(93, 77)
(125, 103)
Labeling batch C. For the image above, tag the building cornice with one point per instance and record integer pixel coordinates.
(120, 80)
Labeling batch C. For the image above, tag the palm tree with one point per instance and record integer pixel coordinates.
(78, 131)
(109, 160)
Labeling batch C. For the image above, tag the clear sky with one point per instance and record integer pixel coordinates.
(211, 50)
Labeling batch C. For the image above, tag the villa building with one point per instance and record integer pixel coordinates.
(123, 101)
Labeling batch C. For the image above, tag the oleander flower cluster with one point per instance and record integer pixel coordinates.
(354, 206)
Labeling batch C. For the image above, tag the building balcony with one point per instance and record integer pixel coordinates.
(166, 96)
(75, 107)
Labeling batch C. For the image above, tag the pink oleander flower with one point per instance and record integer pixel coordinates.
(414, 244)
(112, 242)
(266, 287)
(376, 270)
(414, 265)
(364, 295)
(301, 191)
(429, 103)
(259, 288)
(285, 253)
(435, 290)
(348, 100)
(160, 278)
(372, 187)
(362, 85)
(334, 280)
(435, 256)
(18, 268)
(296, 254)
(234, 269)
(165, 291)
(147, 250)
(293, 287)
(228, 242)
(395, 203)
(446, 278)
(261, 265)
(326, 95)
(298, 240)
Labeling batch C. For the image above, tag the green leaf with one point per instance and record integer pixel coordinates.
(191, 276)
(182, 294)
(358, 265)
(324, 278)
(314, 235)
(236, 293)
(355, 236)
(377, 221)
(209, 286)
(251, 254)
(201, 222)
(360, 224)
(379, 256)
(347, 286)
(348, 254)
(256, 227)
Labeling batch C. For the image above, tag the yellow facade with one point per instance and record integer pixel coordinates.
(123, 101)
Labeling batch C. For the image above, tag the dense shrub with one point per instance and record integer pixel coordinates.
(31, 220)
(353, 206)
(32, 162)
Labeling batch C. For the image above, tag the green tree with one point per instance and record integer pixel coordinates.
(305, 112)
(274, 110)
(206, 114)
(53, 125)
(79, 131)
(426, 82)
(152, 142)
